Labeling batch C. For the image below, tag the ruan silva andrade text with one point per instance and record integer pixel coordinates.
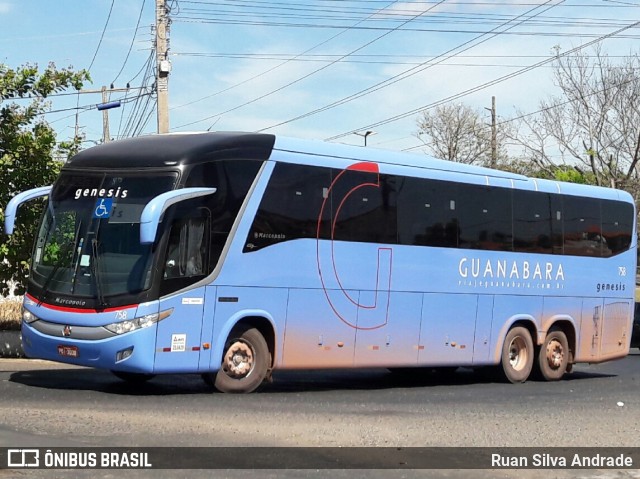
(549, 460)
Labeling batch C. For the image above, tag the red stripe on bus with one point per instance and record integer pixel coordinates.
(66, 309)
(365, 166)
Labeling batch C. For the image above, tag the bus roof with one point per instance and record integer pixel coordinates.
(174, 149)
(359, 153)
(456, 171)
(178, 149)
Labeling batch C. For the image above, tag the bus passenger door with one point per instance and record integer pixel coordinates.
(185, 264)
(178, 338)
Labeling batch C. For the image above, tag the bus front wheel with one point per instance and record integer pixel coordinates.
(245, 362)
(553, 356)
(517, 355)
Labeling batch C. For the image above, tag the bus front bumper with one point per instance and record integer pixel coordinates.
(129, 352)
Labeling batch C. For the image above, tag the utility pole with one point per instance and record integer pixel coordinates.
(106, 136)
(494, 134)
(163, 65)
(103, 107)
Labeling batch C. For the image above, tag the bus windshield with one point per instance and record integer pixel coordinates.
(89, 240)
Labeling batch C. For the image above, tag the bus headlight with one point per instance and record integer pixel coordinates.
(28, 317)
(129, 325)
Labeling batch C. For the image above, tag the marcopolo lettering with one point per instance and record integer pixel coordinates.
(100, 193)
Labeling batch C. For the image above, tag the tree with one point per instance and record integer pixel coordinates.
(28, 152)
(593, 126)
(459, 133)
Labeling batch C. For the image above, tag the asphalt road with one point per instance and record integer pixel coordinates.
(50, 405)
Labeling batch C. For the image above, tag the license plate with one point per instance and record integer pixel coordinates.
(69, 351)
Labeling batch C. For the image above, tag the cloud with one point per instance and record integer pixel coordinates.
(5, 7)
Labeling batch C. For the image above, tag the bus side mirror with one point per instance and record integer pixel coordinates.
(16, 201)
(153, 211)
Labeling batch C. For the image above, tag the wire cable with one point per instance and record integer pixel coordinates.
(131, 44)
(453, 52)
(484, 85)
(268, 71)
(379, 37)
(102, 35)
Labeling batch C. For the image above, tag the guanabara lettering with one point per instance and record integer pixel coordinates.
(496, 269)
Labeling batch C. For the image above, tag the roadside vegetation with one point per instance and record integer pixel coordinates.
(10, 314)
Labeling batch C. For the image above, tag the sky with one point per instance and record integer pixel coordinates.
(319, 69)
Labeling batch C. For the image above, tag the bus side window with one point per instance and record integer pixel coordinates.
(532, 222)
(427, 215)
(364, 207)
(290, 206)
(486, 217)
(617, 226)
(187, 248)
(582, 227)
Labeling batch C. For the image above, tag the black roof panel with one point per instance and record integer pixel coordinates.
(174, 150)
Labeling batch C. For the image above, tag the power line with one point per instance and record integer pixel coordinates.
(482, 86)
(232, 12)
(131, 44)
(52, 95)
(332, 59)
(91, 106)
(315, 71)
(365, 59)
(265, 72)
(316, 12)
(140, 105)
(453, 52)
(102, 35)
(257, 23)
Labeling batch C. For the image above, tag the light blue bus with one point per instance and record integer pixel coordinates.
(232, 255)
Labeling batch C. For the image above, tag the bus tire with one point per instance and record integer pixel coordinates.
(133, 378)
(245, 362)
(517, 355)
(553, 356)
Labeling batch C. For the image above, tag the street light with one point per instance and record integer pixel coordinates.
(365, 135)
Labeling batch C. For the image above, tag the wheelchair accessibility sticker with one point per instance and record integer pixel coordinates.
(103, 208)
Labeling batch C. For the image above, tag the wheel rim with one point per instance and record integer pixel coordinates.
(518, 353)
(555, 354)
(239, 360)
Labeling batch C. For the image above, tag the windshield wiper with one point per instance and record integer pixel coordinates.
(77, 256)
(95, 268)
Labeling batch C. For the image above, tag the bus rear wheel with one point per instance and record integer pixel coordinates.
(245, 362)
(517, 355)
(553, 356)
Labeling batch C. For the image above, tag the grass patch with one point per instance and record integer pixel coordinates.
(10, 314)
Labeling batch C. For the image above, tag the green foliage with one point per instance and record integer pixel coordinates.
(28, 156)
(564, 173)
(26, 81)
(572, 175)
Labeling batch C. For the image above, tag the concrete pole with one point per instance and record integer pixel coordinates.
(163, 66)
